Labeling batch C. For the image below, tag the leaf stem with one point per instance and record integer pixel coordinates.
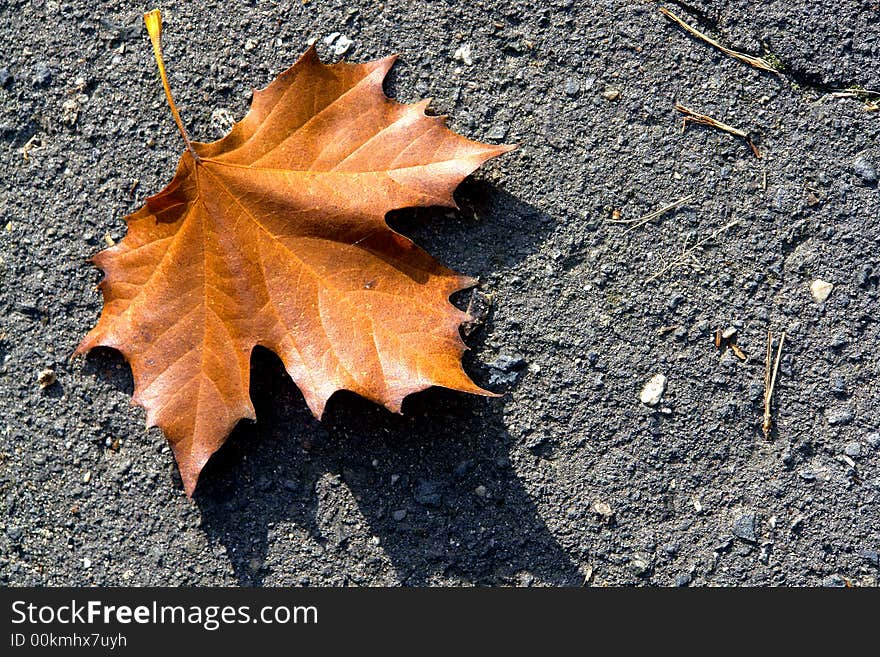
(153, 21)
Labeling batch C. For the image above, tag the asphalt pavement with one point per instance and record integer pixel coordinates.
(566, 479)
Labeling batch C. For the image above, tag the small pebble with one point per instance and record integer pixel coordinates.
(853, 449)
(653, 390)
(87, 563)
(480, 491)
(5, 78)
(222, 121)
(343, 43)
(723, 544)
(46, 378)
(744, 527)
(463, 54)
(871, 556)
(682, 579)
(839, 416)
(603, 509)
(42, 75)
(639, 565)
(820, 290)
(497, 131)
(399, 515)
(864, 168)
(728, 333)
(572, 88)
(506, 363)
(834, 581)
(756, 391)
(428, 493)
(505, 369)
(611, 94)
(873, 439)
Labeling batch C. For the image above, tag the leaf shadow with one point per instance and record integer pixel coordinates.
(444, 464)
(491, 231)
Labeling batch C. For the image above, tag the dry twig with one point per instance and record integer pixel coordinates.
(739, 353)
(727, 338)
(641, 221)
(702, 119)
(757, 62)
(35, 143)
(855, 92)
(687, 253)
(770, 380)
(870, 97)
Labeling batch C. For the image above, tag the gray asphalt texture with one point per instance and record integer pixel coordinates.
(568, 479)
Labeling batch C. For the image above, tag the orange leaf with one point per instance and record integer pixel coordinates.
(275, 235)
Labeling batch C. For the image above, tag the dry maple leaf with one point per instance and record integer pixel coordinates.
(275, 235)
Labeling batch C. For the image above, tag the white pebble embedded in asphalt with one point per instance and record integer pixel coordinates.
(343, 43)
(46, 378)
(222, 121)
(463, 54)
(653, 390)
(820, 290)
